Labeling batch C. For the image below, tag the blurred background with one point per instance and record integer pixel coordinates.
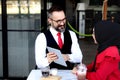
(22, 20)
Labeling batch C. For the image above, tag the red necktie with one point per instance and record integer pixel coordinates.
(59, 40)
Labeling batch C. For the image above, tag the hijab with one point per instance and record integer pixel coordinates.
(107, 34)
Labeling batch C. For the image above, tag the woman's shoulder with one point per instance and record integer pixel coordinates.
(111, 52)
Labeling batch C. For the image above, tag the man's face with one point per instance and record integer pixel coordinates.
(58, 20)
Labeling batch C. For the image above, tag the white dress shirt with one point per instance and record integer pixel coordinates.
(41, 44)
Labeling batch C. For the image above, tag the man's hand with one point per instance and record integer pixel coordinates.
(51, 57)
(74, 70)
(66, 57)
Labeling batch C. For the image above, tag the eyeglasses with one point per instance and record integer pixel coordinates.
(59, 21)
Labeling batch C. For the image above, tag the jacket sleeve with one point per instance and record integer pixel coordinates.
(89, 67)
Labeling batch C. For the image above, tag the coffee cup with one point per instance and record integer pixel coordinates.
(45, 71)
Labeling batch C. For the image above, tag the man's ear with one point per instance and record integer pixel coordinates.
(49, 21)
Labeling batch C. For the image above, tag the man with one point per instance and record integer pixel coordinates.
(69, 48)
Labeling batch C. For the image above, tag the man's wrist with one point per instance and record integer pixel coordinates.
(68, 57)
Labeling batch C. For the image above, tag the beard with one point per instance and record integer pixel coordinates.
(60, 28)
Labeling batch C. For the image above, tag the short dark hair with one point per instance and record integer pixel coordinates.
(55, 8)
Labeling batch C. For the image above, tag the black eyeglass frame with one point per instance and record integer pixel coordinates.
(59, 21)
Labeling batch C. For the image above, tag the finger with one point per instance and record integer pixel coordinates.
(52, 55)
(49, 54)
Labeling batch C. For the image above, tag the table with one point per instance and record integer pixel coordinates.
(65, 74)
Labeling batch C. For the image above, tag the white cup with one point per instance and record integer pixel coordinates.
(53, 71)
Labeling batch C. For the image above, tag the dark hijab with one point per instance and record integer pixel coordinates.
(107, 34)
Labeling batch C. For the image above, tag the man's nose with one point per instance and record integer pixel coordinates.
(62, 23)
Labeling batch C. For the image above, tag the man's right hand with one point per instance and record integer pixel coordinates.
(51, 57)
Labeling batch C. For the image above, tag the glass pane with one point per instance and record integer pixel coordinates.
(12, 7)
(24, 23)
(24, 6)
(35, 7)
(21, 52)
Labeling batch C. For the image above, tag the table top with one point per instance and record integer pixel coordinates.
(65, 74)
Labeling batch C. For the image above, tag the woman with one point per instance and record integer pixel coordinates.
(106, 65)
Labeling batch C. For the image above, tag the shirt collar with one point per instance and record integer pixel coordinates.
(53, 31)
